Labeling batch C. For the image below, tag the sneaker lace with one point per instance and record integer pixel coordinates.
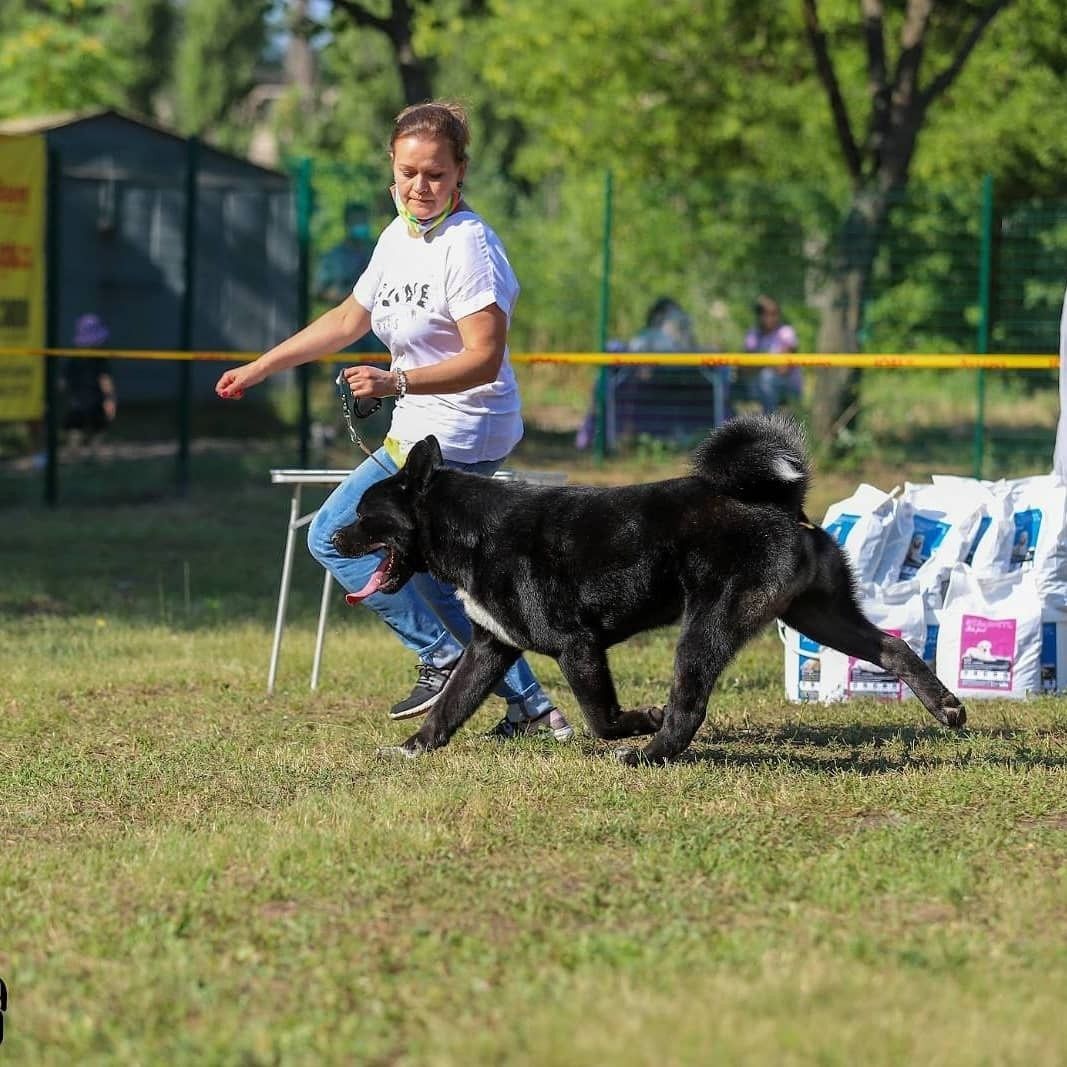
(431, 677)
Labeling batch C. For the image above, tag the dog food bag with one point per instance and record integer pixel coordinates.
(933, 602)
(1053, 651)
(1032, 538)
(933, 530)
(898, 609)
(803, 664)
(989, 500)
(989, 643)
(859, 525)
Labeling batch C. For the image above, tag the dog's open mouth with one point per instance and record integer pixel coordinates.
(380, 579)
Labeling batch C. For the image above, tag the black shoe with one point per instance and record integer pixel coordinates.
(427, 689)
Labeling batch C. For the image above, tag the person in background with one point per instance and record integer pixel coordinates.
(667, 329)
(340, 267)
(439, 292)
(771, 387)
(91, 403)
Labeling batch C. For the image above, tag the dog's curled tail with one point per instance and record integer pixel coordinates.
(758, 458)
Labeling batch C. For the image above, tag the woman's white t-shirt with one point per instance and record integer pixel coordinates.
(416, 289)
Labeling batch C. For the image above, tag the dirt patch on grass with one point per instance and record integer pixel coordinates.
(1051, 821)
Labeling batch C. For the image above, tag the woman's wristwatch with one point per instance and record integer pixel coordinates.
(401, 383)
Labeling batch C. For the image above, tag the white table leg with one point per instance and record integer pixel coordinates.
(283, 593)
(320, 633)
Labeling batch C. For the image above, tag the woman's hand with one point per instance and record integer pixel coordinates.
(370, 381)
(233, 383)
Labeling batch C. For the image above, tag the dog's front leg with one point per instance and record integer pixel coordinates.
(586, 669)
(481, 666)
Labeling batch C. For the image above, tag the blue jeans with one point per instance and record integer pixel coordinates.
(772, 388)
(425, 614)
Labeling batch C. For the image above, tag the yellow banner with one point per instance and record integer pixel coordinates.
(23, 163)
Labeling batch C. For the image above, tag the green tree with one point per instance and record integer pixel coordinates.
(54, 57)
(934, 43)
(141, 35)
(219, 51)
(730, 123)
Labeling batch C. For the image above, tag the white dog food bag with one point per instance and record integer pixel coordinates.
(1032, 538)
(1053, 651)
(991, 503)
(803, 663)
(859, 525)
(898, 609)
(989, 643)
(932, 608)
(933, 530)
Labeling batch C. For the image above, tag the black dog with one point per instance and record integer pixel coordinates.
(570, 571)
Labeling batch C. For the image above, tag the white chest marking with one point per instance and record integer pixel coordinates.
(477, 613)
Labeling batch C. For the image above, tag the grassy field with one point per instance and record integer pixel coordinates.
(193, 872)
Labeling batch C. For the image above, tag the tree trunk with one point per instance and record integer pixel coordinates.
(416, 72)
(299, 56)
(840, 299)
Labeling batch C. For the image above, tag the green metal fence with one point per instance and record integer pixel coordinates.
(960, 269)
(957, 270)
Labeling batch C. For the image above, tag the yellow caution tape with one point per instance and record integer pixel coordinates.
(867, 360)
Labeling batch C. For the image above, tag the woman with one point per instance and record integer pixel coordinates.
(773, 386)
(439, 292)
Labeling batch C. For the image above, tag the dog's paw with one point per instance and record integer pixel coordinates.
(955, 715)
(651, 717)
(394, 752)
(630, 757)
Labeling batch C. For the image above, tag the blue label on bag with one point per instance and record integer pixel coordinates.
(982, 527)
(1027, 530)
(808, 669)
(930, 647)
(1048, 657)
(841, 527)
(926, 535)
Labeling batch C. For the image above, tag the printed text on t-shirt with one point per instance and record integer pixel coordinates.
(417, 294)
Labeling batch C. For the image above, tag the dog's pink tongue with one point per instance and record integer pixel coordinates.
(372, 585)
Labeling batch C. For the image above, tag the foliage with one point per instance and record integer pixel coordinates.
(215, 65)
(728, 178)
(141, 33)
(53, 57)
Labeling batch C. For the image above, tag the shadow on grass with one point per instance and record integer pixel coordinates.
(872, 750)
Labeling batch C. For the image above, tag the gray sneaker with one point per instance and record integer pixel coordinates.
(515, 724)
(427, 689)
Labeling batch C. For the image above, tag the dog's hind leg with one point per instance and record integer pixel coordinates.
(834, 619)
(481, 666)
(586, 669)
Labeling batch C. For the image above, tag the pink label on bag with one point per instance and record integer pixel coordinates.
(869, 680)
(987, 653)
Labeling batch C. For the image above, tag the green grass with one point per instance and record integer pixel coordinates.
(195, 873)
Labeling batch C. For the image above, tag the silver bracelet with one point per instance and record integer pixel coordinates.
(401, 383)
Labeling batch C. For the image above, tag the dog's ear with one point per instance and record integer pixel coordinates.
(423, 459)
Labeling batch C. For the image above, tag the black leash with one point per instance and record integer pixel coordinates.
(351, 410)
